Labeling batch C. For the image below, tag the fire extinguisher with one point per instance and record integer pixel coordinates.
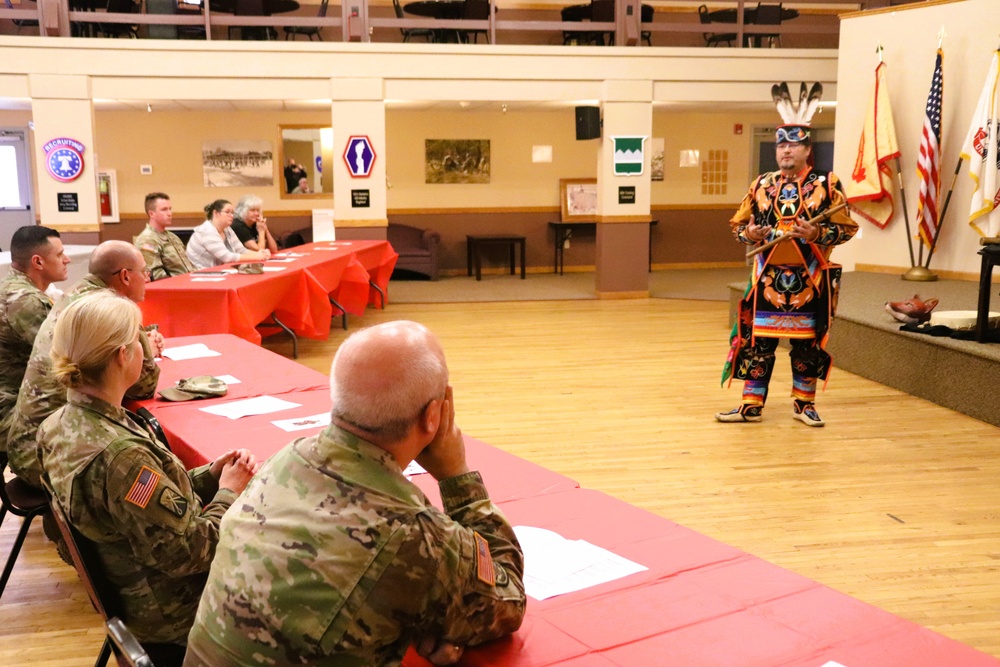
(105, 195)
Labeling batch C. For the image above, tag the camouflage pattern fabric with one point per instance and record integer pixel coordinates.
(133, 499)
(23, 308)
(332, 557)
(164, 253)
(41, 394)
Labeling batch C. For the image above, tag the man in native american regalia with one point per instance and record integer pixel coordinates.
(795, 216)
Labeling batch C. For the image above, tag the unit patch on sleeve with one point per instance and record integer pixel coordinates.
(484, 561)
(173, 502)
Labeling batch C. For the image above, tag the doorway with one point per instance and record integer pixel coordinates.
(16, 205)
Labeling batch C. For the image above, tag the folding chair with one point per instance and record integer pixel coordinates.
(23, 500)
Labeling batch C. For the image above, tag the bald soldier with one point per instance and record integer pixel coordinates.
(37, 260)
(162, 249)
(117, 266)
(332, 557)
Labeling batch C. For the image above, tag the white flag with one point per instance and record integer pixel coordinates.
(980, 150)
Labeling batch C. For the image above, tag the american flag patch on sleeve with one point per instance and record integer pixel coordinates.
(484, 561)
(143, 487)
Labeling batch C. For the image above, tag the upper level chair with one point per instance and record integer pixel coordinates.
(767, 15)
(714, 38)
(646, 16)
(475, 10)
(309, 31)
(407, 33)
(603, 11)
(21, 23)
(23, 500)
(121, 29)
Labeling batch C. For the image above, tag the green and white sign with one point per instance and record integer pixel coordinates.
(628, 156)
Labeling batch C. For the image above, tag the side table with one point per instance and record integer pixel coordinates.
(474, 244)
(991, 258)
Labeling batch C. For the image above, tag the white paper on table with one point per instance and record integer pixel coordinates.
(282, 258)
(260, 405)
(832, 663)
(229, 379)
(195, 351)
(272, 269)
(302, 423)
(330, 247)
(414, 469)
(554, 565)
(208, 280)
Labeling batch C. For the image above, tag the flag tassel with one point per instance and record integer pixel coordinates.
(944, 211)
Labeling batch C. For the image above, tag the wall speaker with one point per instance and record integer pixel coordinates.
(588, 123)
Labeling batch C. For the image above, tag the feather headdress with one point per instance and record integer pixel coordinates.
(797, 115)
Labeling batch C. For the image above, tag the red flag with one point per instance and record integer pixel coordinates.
(929, 162)
(869, 190)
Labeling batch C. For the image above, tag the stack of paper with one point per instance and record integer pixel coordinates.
(554, 565)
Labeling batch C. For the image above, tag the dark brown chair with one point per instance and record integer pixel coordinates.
(21, 23)
(646, 14)
(309, 31)
(767, 15)
(418, 249)
(102, 593)
(714, 38)
(20, 499)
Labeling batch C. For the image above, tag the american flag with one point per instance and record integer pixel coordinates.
(143, 487)
(929, 162)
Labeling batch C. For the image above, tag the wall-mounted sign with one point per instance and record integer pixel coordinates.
(629, 156)
(68, 202)
(360, 199)
(64, 159)
(359, 156)
(626, 194)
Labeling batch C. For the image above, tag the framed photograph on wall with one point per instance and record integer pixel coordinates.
(578, 199)
(237, 164)
(457, 160)
(107, 195)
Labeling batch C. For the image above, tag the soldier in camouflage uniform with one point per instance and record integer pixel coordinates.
(153, 525)
(163, 251)
(115, 265)
(37, 260)
(332, 557)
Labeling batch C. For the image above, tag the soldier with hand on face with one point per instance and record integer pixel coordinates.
(331, 557)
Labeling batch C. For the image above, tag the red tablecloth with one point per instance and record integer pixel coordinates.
(379, 259)
(337, 270)
(701, 603)
(182, 306)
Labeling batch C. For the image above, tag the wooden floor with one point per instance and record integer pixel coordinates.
(895, 502)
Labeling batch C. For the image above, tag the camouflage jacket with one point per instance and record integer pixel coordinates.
(23, 308)
(164, 253)
(41, 394)
(331, 557)
(133, 499)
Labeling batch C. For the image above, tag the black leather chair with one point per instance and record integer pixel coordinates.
(646, 16)
(767, 15)
(407, 33)
(308, 31)
(20, 499)
(475, 10)
(602, 11)
(120, 29)
(714, 38)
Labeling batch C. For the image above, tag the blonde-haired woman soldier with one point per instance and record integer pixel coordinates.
(154, 525)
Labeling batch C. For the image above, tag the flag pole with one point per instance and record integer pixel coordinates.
(906, 215)
(947, 200)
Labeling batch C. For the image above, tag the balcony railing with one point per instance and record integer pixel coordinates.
(675, 22)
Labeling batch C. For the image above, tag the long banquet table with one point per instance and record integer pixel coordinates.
(700, 603)
(297, 288)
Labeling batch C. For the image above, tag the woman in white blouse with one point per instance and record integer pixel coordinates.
(214, 243)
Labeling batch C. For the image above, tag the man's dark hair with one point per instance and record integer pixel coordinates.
(27, 241)
(151, 198)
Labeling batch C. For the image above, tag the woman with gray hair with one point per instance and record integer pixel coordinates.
(153, 525)
(249, 224)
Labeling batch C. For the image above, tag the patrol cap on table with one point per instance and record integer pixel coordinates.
(201, 386)
(252, 268)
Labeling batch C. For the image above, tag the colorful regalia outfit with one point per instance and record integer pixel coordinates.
(792, 292)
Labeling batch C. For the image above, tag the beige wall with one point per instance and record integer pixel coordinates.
(910, 37)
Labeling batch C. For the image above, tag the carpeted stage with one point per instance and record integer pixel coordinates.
(867, 341)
